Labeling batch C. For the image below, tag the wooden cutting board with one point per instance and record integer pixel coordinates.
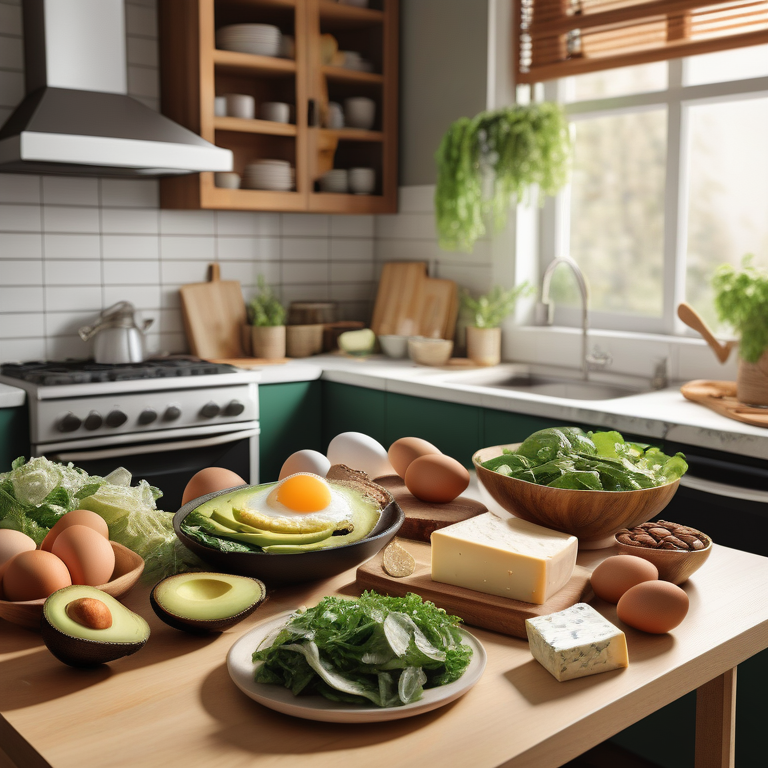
(499, 614)
(214, 313)
(398, 306)
(440, 308)
(720, 396)
(421, 517)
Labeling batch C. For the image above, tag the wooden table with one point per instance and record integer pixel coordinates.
(173, 704)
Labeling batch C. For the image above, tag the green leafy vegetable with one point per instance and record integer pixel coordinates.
(741, 300)
(489, 310)
(384, 650)
(265, 308)
(568, 457)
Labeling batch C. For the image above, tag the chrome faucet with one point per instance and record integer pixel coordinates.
(544, 312)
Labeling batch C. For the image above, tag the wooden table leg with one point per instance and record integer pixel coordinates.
(716, 722)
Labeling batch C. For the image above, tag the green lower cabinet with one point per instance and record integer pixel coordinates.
(502, 427)
(353, 409)
(14, 436)
(290, 417)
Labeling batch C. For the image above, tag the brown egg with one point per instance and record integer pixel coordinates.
(75, 517)
(210, 480)
(86, 553)
(11, 544)
(34, 575)
(436, 479)
(403, 451)
(615, 575)
(653, 606)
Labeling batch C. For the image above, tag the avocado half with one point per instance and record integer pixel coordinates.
(206, 602)
(80, 645)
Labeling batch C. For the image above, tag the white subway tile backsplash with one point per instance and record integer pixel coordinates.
(168, 343)
(187, 223)
(68, 346)
(20, 218)
(351, 272)
(353, 291)
(305, 224)
(143, 81)
(70, 190)
(298, 272)
(142, 51)
(247, 273)
(19, 188)
(406, 226)
(174, 247)
(22, 325)
(21, 246)
(168, 321)
(131, 272)
(405, 250)
(182, 272)
(72, 273)
(305, 249)
(125, 247)
(420, 199)
(21, 298)
(63, 218)
(140, 21)
(315, 292)
(352, 249)
(11, 88)
(67, 323)
(129, 221)
(130, 193)
(22, 272)
(143, 297)
(476, 279)
(72, 247)
(73, 298)
(247, 223)
(20, 350)
(352, 226)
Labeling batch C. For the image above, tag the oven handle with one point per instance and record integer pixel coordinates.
(116, 453)
(721, 489)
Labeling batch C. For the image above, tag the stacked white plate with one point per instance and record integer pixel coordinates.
(274, 175)
(259, 39)
(336, 180)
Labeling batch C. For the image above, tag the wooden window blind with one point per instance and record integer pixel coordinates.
(559, 38)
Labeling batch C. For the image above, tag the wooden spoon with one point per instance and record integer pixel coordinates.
(693, 320)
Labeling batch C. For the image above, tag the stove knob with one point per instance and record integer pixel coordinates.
(93, 420)
(172, 412)
(209, 410)
(116, 418)
(147, 416)
(69, 423)
(235, 408)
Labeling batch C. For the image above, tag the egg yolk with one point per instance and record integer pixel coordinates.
(303, 493)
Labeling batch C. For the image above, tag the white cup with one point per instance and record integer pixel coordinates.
(220, 106)
(227, 179)
(362, 181)
(241, 105)
(335, 118)
(360, 112)
(275, 111)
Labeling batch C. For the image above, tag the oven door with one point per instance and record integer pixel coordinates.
(168, 464)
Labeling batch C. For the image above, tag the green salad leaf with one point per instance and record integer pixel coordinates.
(384, 650)
(568, 457)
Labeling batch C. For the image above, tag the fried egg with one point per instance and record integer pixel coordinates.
(301, 503)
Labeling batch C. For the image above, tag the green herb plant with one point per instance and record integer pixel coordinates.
(490, 309)
(741, 300)
(520, 147)
(265, 308)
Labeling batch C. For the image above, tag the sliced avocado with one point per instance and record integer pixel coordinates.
(206, 602)
(225, 516)
(79, 645)
(265, 538)
(247, 516)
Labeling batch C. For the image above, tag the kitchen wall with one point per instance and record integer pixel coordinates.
(70, 246)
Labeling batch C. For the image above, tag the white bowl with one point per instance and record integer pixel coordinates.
(227, 179)
(275, 111)
(360, 112)
(427, 351)
(240, 105)
(362, 181)
(336, 180)
(394, 346)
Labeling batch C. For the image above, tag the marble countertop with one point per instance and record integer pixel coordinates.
(663, 414)
(11, 397)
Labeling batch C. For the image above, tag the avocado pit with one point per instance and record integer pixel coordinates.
(89, 612)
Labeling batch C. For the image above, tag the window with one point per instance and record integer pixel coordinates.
(670, 180)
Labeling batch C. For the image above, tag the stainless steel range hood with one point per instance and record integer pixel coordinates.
(76, 117)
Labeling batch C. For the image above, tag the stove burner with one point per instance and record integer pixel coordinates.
(49, 374)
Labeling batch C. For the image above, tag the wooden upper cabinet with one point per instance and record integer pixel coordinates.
(332, 52)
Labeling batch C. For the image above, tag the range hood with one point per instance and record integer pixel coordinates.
(76, 117)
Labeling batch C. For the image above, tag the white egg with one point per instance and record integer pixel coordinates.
(358, 451)
(305, 461)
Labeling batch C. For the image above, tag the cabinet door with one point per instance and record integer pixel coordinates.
(353, 409)
(503, 427)
(14, 436)
(290, 421)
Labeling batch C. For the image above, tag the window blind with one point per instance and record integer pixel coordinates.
(559, 38)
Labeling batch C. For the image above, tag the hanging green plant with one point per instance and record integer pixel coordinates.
(519, 147)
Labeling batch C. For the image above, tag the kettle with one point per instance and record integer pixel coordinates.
(117, 339)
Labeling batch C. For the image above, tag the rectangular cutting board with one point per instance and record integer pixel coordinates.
(499, 614)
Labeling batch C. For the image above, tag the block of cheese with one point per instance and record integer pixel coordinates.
(506, 557)
(576, 642)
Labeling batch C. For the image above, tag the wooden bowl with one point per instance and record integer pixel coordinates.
(674, 565)
(592, 516)
(426, 351)
(128, 569)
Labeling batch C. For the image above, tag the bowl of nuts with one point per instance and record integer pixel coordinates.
(676, 550)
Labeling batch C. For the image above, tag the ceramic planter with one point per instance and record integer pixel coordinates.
(752, 381)
(268, 341)
(484, 345)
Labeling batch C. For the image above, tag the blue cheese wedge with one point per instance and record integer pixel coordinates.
(576, 642)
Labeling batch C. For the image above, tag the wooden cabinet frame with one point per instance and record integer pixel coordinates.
(192, 68)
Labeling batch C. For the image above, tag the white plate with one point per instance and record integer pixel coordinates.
(241, 670)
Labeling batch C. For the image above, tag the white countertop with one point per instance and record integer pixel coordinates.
(11, 397)
(656, 414)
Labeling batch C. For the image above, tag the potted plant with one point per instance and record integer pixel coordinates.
(486, 315)
(741, 300)
(491, 161)
(267, 317)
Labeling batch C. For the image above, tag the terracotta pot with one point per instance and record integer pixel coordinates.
(752, 381)
(484, 345)
(268, 341)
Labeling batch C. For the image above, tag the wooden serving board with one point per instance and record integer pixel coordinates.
(720, 396)
(249, 362)
(214, 313)
(421, 517)
(440, 308)
(499, 614)
(398, 306)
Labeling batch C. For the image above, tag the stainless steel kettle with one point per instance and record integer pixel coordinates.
(117, 338)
